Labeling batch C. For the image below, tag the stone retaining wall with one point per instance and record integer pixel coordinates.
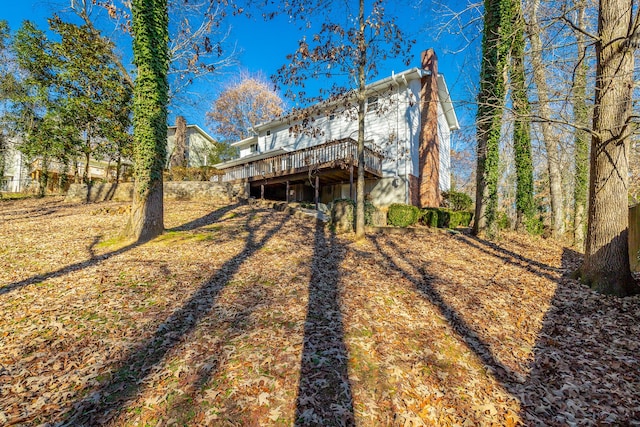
(173, 190)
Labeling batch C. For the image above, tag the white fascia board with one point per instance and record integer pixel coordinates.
(245, 142)
(251, 158)
(447, 104)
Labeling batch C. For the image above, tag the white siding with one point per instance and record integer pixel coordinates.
(16, 170)
(197, 148)
(389, 130)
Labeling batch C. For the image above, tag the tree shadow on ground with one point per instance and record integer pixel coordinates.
(104, 403)
(324, 390)
(95, 259)
(513, 258)
(584, 364)
(422, 282)
(585, 368)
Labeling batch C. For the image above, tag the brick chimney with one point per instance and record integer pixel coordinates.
(429, 148)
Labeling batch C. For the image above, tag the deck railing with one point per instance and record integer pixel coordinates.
(337, 153)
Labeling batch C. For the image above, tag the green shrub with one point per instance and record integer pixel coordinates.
(457, 201)
(460, 219)
(369, 211)
(445, 218)
(503, 221)
(535, 226)
(403, 215)
(429, 217)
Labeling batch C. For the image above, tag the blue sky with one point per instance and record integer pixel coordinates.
(264, 45)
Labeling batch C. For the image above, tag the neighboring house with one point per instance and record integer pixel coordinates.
(22, 174)
(198, 145)
(409, 119)
(15, 178)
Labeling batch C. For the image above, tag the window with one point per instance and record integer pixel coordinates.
(253, 148)
(268, 132)
(332, 116)
(372, 103)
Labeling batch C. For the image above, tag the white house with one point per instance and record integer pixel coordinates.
(15, 178)
(198, 145)
(408, 124)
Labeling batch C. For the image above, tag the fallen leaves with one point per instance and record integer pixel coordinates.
(244, 316)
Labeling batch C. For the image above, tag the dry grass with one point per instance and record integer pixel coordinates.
(246, 316)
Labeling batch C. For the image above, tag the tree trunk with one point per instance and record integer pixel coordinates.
(606, 265)
(491, 98)
(525, 208)
(178, 158)
(151, 56)
(43, 177)
(550, 143)
(580, 114)
(85, 172)
(118, 169)
(361, 117)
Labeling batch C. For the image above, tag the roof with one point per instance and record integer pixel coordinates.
(250, 158)
(197, 129)
(247, 141)
(395, 79)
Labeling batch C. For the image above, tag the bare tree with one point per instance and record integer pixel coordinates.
(243, 104)
(349, 43)
(540, 78)
(606, 265)
(581, 117)
(198, 47)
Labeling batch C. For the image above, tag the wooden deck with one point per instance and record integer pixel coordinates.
(332, 160)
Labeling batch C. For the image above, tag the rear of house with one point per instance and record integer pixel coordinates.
(408, 125)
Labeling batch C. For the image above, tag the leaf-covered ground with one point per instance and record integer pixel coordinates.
(241, 315)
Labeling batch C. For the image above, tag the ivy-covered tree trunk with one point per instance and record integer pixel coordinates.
(544, 108)
(525, 208)
(151, 57)
(495, 57)
(581, 117)
(606, 264)
(361, 117)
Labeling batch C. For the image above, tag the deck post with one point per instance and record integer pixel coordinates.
(287, 196)
(262, 191)
(351, 181)
(317, 190)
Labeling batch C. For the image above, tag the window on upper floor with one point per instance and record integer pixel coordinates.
(372, 103)
(253, 148)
